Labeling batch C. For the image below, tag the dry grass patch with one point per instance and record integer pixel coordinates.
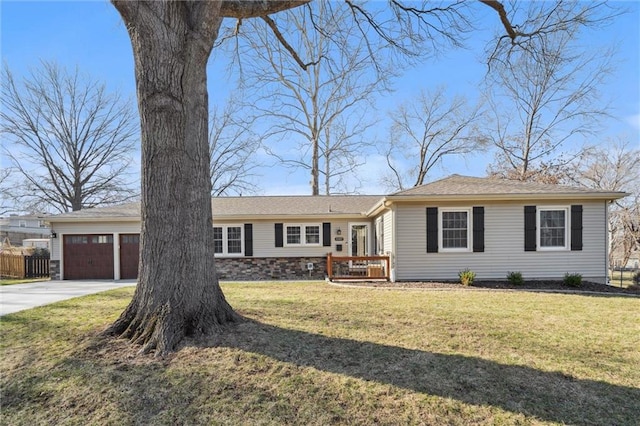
(12, 281)
(314, 354)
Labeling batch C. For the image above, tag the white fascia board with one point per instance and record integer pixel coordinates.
(508, 197)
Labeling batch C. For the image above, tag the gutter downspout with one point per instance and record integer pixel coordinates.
(394, 248)
(607, 242)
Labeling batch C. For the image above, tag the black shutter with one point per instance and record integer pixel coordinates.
(248, 239)
(478, 229)
(576, 227)
(529, 228)
(326, 234)
(432, 229)
(279, 232)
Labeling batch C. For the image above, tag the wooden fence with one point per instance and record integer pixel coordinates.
(20, 266)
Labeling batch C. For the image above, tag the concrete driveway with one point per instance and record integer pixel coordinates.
(18, 297)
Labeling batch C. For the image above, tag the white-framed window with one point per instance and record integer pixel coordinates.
(22, 223)
(455, 229)
(303, 234)
(228, 240)
(102, 239)
(552, 229)
(379, 235)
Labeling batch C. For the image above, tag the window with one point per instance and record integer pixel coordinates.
(552, 225)
(312, 235)
(455, 232)
(77, 239)
(227, 240)
(130, 239)
(303, 235)
(218, 244)
(293, 235)
(379, 235)
(102, 239)
(234, 240)
(22, 223)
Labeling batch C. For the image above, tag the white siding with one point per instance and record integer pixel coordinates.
(504, 246)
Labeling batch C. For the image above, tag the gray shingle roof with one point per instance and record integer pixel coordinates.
(267, 206)
(122, 211)
(293, 205)
(475, 186)
(454, 186)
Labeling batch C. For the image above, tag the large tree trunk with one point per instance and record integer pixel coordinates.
(178, 292)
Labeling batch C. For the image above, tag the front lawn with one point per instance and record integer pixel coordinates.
(12, 281)
(314, 354)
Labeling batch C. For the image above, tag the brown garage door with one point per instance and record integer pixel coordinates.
(129, 252)
(88, 256)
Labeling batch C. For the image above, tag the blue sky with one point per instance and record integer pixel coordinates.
(90, 35)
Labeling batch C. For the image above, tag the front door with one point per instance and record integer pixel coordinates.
(359, 239)
(359, 246)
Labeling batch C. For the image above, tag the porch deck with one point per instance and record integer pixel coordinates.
(358, 268)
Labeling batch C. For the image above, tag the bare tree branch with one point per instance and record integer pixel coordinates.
(540, 101)
(319, 107)
(286, 45)
(614, 166)
(233, 147)
(72, 142)
(426, 130)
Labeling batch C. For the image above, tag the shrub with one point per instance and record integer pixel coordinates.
(636, 278)
(467, 276)
(515, 278)
(572, 280)
(41, 251)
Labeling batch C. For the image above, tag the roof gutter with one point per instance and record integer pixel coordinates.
(378, 207)
(506, 197)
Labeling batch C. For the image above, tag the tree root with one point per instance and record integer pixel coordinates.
(159, 329)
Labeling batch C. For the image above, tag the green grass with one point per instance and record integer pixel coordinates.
(315, 354)
(11, 281)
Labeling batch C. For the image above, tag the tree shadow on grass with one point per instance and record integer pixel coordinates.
(550, 396)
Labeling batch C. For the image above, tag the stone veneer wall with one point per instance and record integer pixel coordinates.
(270, 268)
(254, 268)
(54, 269)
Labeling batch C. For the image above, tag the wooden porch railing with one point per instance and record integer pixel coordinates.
(365, 268)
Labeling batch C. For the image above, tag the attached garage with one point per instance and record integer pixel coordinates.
(129, 254)
(88, 256)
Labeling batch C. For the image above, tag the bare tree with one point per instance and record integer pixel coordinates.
(424, 132)
(545, 95)
(315, 115)
(6, 200)
(614, 167)
(233, 147)
(70, 140)
(178, 292)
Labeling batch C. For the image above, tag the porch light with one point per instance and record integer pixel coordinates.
(338, 231)
(53, 235)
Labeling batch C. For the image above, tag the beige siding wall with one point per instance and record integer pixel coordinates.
(504, 246)
(264, 240)
(88, 228)
(263, 236)
(388, 231)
